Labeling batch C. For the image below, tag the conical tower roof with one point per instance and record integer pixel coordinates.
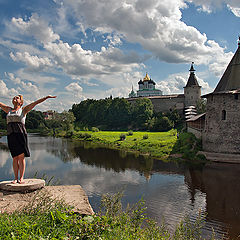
(231, 77)
(192, 80)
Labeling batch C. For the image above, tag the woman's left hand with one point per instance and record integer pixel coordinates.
(49, 96)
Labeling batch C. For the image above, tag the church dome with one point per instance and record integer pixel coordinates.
(147, 78)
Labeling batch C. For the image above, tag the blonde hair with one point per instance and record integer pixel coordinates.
(21, 98)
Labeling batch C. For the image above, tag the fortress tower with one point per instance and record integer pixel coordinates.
(223, 111)
(192, 91)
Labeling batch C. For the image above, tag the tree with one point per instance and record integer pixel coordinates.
(142, 112)
(3, 122)
(162, 124)
(201, 106)
(118, 114)
(175, 117)
(35, 119)
(66, 119)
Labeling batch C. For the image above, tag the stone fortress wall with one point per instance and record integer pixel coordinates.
(166, 103)
(222, 120)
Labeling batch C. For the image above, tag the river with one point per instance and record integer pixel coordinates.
(170, 191)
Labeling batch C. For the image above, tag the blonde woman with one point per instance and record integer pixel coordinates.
(17, 134)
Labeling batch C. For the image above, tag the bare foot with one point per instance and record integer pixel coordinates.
(14, 181)
(21, 181)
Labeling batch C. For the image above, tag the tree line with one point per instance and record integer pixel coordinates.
(104, 114)
(119, 114)
(36, 120)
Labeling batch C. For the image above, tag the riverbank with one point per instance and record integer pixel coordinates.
(153, 144)
(158, 145)
(166, 146)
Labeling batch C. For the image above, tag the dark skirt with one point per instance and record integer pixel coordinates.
(18, 144)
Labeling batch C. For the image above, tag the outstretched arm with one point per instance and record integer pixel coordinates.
(5, 108)
(30, 106)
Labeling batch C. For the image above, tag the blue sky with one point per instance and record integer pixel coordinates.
(79, 49)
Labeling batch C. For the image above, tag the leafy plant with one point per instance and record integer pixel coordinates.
(122, 136)
(145, 136)
(95, 129)
(130, 133)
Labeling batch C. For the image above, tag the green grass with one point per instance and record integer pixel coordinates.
(51, 219)
(157, 145)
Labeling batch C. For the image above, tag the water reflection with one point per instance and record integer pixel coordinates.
(221, 183)
(170, 191)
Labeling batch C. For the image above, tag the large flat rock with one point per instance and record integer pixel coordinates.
(28, 185)
(73, 195)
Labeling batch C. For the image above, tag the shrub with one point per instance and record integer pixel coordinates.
(122, 136)
(87, 135)
(95, 129)
(162, 124)
(69, 134)
(130, 133)
(145, 136)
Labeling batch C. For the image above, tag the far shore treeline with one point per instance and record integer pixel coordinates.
(105, 114)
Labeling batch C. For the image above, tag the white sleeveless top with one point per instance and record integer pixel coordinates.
(16, 116)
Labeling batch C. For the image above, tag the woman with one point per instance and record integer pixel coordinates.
(17, 134)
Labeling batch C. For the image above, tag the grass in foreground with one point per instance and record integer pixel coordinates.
(51, 219)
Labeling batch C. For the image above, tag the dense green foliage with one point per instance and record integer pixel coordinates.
(201, 106)
(35, 120)
(119, 114)
(3, 123)
(45, 218)
(189, 146)
(104, 114)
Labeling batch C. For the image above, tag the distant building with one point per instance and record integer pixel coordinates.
(165, 103)
(132, 94)
(48, 115)
(147, 88)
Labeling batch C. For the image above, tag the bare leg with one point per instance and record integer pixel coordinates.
(21, 161)
(15, 169)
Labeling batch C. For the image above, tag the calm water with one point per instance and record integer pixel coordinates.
(170, 191)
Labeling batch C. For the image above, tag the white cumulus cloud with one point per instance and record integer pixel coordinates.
(36, 27)
(33, 62)
(75, 89)
(5, 91)
(211, 5)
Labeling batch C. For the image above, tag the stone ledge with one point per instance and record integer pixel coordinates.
(72, 195)
(28, 185)
(221, 157)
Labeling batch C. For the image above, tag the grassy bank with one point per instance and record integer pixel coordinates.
(154, 144)
(47, 219)
(159, 145)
